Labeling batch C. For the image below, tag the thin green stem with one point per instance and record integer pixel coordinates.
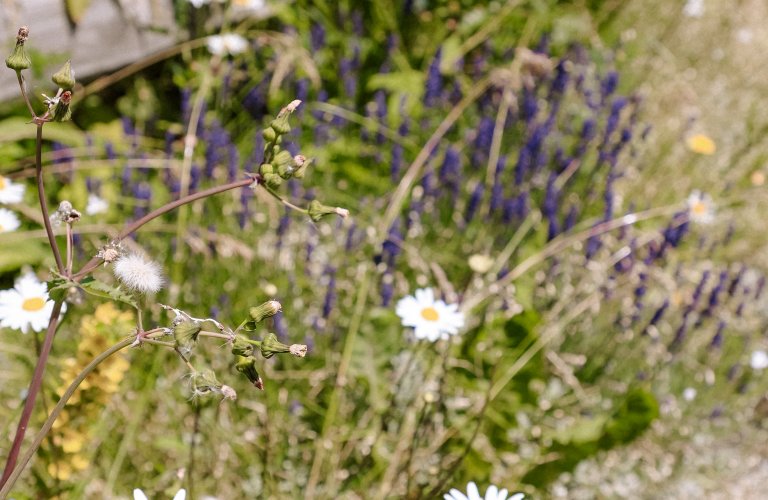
(341, 381)
(285, 202)
(40, 436)
(23, 88)
(42, 198)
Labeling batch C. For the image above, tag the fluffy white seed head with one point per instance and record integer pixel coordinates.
(139, 274)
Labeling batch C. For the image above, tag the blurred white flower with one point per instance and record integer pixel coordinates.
(26, 306)
(758, 360)
(8, 221)
(228, 43)
(689, 394)
(10, 192)
(694, 8)
(139, 495)
(250, 7)
(492, 493)
(96, 205)
(139, 274)
(480, 263)
(431, 319)
(701, 209)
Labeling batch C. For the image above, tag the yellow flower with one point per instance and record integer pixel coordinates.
(701, 144)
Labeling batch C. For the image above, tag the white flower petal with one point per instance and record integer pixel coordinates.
(180, 495)
(139, 495)
(455, 494)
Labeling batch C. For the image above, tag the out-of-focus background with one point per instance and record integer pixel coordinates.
(584, 180)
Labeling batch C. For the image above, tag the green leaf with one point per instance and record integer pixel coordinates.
(636, 413)
(13, 255)
(100, 289)
(58, 287)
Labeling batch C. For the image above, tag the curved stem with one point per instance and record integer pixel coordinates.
(285, 202)
(130, 228)
(29, 404)
(56, 411)
(41, 196)
(23, 88)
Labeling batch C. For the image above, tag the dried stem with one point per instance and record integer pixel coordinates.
(42, 197)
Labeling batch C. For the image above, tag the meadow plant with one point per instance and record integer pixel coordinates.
(31, 305)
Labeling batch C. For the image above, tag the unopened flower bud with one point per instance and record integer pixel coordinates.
(242, 347)
(61, 109)
(271, 346)
(186, 333)
(65, 77)
(247, 366)
(280, 124)
(265, 310)
(266, 168)
(204, 382)
(302, 163)
(273, 180)
(18, 60)
(317, 211)
(269, 134)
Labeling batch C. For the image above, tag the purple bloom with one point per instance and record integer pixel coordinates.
(717, 340)
(330, 294)
(608, 85)
(434, 84)
(474, 202)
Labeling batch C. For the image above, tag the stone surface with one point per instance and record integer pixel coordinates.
(111, 34)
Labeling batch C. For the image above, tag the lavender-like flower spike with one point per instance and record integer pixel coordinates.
(434, 84)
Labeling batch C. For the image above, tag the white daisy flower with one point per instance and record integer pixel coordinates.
(250, 7)
(138, 273)
(8, 221)
(758, 360)
(10, 192)
(139, 495)
(96, 205)
(228, 43)
(26, 305)
(492, 493)
(694, 8)
(701, 208)
(432, 319)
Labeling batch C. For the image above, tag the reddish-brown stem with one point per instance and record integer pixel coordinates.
(41, 196)
(24, 94)
(130, 228)
(34, 389)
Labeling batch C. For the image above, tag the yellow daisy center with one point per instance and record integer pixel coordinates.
(430, 314)
(2, 229)
(699, 208)
(2, 182)
(701, 144)
(33, 304)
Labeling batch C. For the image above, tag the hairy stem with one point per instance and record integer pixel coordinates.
(23, 88)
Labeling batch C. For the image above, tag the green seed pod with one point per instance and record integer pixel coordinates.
(273, 180)
(317, 211)
(280, 125)
(301, 163)
(186, 333)
(265, 310)
(65, 77)
(271, 346)
(241, 347)
(269, 134)
(247, 366)
(18, 60)
(61, 110)
(266, 168)
(204, 382)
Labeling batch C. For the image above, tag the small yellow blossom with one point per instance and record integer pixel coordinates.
(701, 144)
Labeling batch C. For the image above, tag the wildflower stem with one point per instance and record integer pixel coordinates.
(159, 342)
(12, 472)
(23, 88)
(498, 133)
(219, 335)
(190, 139)
(70, 243)
(29, 403)
(286, 202)
(134, 226)
(41, 196)
(341, 381)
